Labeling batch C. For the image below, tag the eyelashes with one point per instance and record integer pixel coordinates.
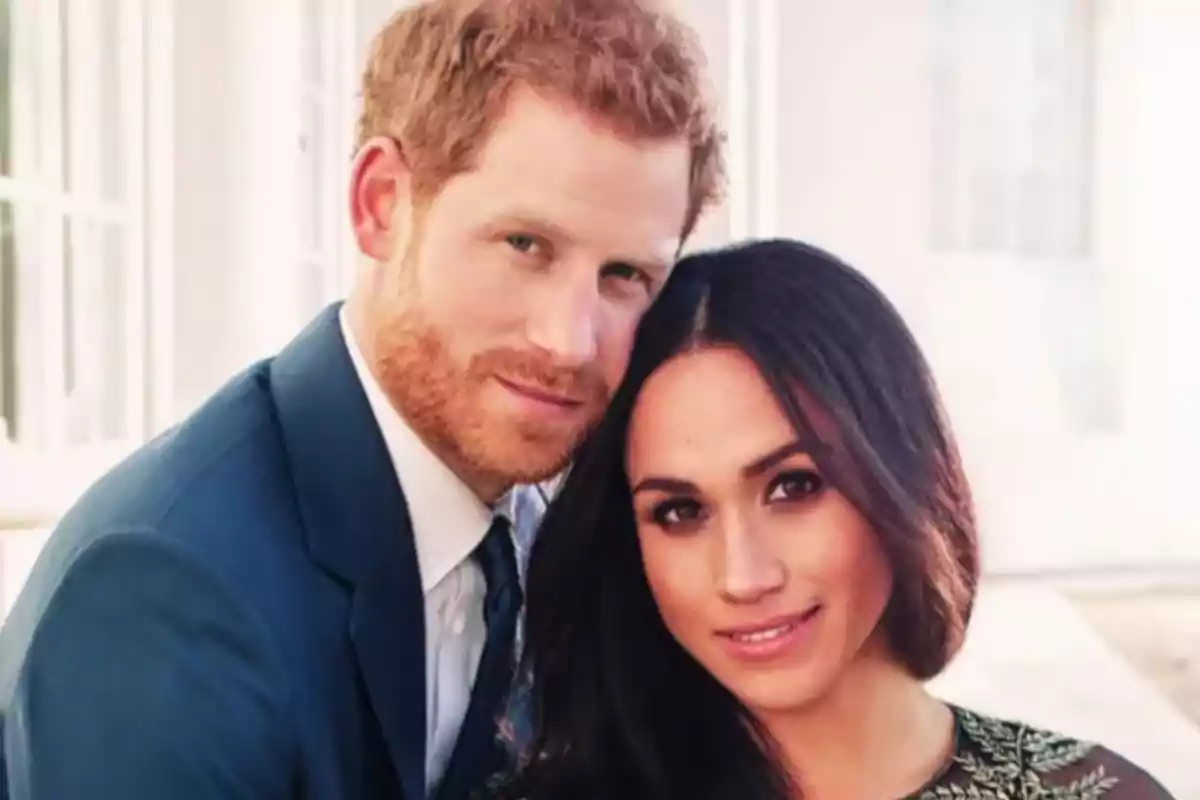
(795, 485)
(676, 511)
(789, 488)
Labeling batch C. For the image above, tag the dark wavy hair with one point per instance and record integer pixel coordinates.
(619, 710)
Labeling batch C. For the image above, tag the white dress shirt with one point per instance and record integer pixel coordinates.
(448, 522)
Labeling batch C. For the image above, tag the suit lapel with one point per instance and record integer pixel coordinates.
(357, 528)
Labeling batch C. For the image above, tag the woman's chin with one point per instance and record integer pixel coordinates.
(778, 693)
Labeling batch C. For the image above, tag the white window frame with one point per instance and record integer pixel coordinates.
(42, 356)
(954, 202)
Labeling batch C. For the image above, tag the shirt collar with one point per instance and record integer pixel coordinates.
(448, 519)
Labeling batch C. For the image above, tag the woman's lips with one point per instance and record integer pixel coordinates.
(770, 639)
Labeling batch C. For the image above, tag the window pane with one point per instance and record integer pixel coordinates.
(6, 80)
(69, 107)
(1011, 99)
(111, 128)
(24, 365)
(67, 335)
(23, 141)
(93, 105)
(72, 249)
(8, 321)
(118, 354)
(97, 348)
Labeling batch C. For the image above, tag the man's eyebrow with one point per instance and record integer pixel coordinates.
(657, 266)
(531, 223)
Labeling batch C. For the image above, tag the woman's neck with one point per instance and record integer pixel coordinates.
(876, 734)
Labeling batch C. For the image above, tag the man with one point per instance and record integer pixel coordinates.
(308, 589)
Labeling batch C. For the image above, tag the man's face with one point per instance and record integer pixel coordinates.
(501, 312)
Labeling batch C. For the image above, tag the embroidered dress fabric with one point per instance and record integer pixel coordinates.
(1001, 760)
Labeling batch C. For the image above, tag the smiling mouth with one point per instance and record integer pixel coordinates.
(771, 630)
(541, 395)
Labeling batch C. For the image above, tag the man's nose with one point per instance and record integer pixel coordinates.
(749, 568)
(565, 322)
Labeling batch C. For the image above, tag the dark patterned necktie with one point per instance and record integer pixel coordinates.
(475, 754)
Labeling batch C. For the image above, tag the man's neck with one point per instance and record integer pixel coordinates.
(877, 733)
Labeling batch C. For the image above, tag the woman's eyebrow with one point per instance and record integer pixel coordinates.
(804, 446)
(667, 485)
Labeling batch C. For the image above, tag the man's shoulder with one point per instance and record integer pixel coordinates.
(209, 498)
(196, 489)
(197, 467)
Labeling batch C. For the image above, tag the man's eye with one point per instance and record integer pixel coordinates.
(521, 242)
(626, 272)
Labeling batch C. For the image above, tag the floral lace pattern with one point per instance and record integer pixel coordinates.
(1000, 760)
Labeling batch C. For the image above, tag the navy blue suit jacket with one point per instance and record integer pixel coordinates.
(233, 612)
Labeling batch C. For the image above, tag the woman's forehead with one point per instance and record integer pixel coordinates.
(710, 405)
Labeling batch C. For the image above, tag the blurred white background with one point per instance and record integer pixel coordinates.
(1021, 176)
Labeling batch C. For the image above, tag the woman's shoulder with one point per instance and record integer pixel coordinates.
(1002, 756)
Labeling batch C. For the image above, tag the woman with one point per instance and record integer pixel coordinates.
(758, 559)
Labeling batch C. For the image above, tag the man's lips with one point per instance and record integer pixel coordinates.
(541, 395)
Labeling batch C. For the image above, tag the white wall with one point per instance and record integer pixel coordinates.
(853, 139)
(236, 127)
(239, 290)
(1162, 251)
(834, 119)
(828, 108)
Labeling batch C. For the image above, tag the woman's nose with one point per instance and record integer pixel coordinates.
(749, 568)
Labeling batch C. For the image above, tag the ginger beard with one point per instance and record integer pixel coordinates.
(453, 406)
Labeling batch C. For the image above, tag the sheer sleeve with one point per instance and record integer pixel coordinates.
(1102, 773)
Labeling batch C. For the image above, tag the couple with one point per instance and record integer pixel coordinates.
(312, 587)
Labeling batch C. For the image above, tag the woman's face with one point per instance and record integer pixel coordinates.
(761, 570)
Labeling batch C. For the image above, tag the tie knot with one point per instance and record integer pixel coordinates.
(498, 560)
(495, 552)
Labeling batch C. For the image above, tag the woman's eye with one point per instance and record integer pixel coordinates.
(676, 512)
(796, 485)
(521, 242)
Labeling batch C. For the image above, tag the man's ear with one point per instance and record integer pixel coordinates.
(380, 181)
